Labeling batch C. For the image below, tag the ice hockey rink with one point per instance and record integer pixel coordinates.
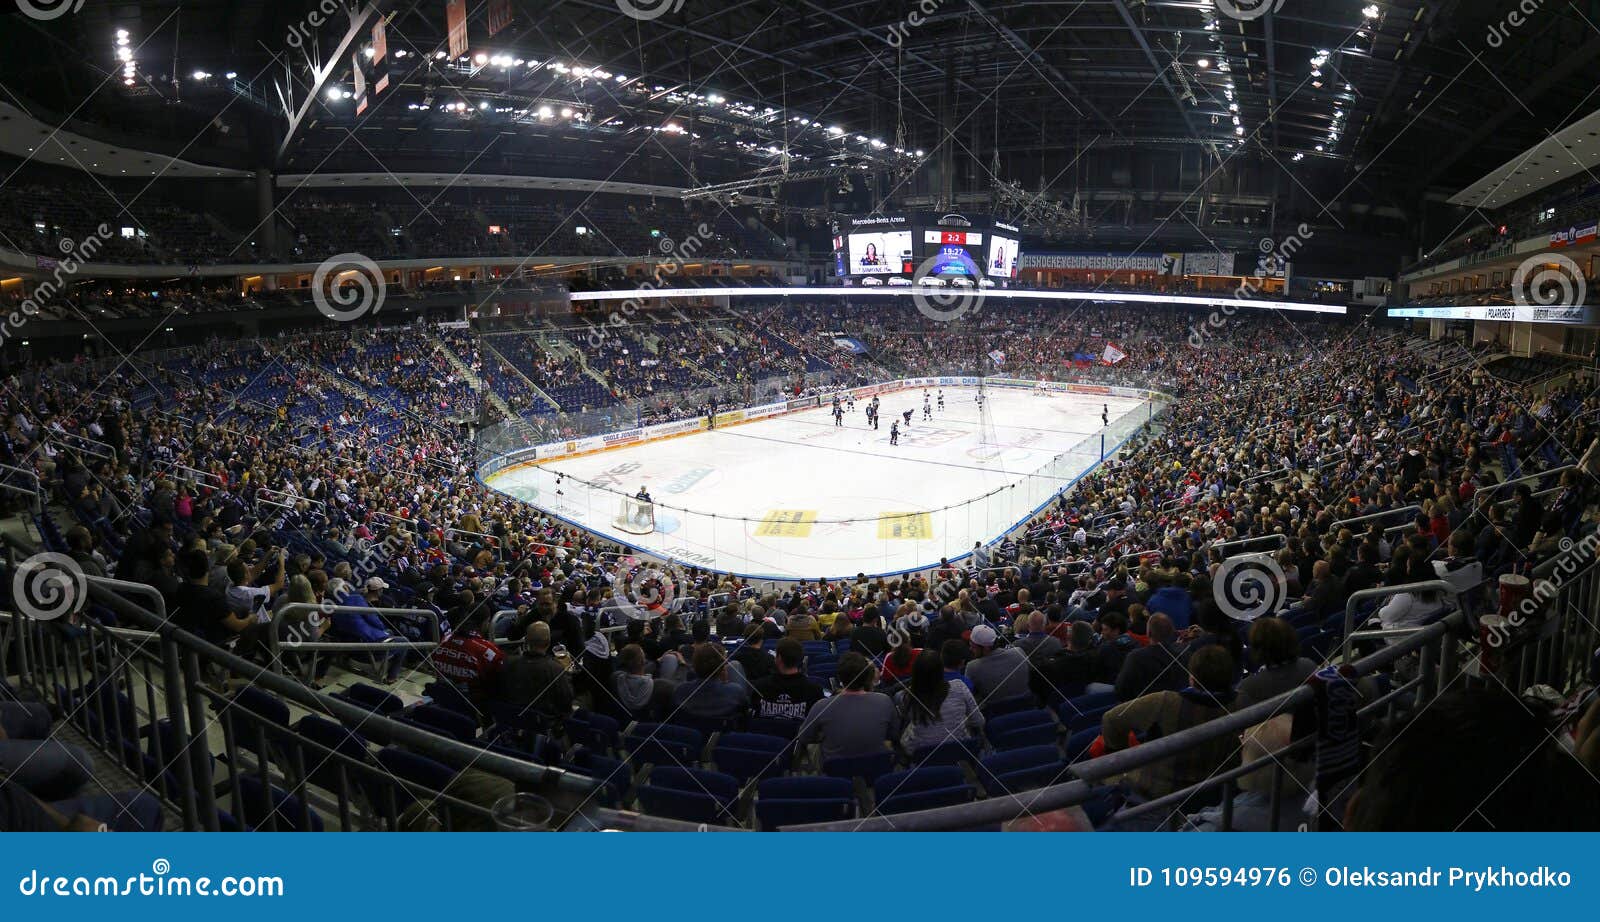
(796, 496)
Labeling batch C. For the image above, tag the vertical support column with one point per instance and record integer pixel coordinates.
(266, 216)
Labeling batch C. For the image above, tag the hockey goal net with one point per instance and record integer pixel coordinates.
(636, 517)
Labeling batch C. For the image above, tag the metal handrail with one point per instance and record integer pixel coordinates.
(275, 643)
(1380, 592)
(433, 745)
(37, 493)
(125, 586)
(262, 497)
(1342, 523)
(1282, 539)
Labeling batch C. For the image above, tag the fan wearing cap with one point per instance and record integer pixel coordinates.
(996, 674)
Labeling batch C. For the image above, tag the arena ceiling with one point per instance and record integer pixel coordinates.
(1339, 103)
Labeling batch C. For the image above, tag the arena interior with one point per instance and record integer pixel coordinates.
(653, 415)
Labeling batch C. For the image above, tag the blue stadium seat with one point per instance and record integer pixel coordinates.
(751, 756)
(339, 756)
(663, 744)
(1085, 711)
(795, 800)
(1078, 743)
(417, 770)
(949, 752)
(273, 809)
(774, 726)
(371, 698)
(1024, 728)
(594, 731)
(613, 774)
(693, 795)
(868, 768)
(447, 694)
(1000, 707)
(443, 721)
(921, 789)
(1017, 770)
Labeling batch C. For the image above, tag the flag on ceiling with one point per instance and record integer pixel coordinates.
(381, 85)
(455, 20)
(380, 41)
(499, 15)
(360, 81)
(1112, 355)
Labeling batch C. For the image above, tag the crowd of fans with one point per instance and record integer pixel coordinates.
(249, 476)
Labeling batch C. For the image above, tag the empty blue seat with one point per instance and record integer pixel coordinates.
(921, 789)
(749, 756)
(796, 800)
(613, 774)
(774, 726)
(444, 721)
(999, 707)
(595, 731)
(949, 752)
(1024, 728)
(371, 698)
(1085, 711)
(663, 744)
(1017, 770)
(419, 771)
(273, 809)
(868, 768)
(693, 795)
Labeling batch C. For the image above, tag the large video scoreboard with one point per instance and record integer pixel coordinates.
(912, 247)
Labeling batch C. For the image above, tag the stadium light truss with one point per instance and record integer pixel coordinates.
(977, 295)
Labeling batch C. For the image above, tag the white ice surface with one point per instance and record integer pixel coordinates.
(714, 489)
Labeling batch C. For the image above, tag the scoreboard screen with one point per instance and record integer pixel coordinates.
(908, 246)
(952, 253)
